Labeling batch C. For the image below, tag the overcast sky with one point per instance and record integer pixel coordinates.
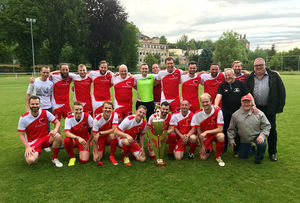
(263, 21)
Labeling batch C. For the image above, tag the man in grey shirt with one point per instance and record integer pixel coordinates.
(252, 128)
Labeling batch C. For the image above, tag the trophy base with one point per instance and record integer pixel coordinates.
(160, 163)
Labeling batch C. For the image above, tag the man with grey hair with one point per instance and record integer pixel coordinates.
(268, 91)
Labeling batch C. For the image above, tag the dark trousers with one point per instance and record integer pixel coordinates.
(246, 150)
(150, 107)
(227, 114)
(48, 123)
(272, 139)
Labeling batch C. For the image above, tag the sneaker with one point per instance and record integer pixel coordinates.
(57, 163)
(72, 162)
(126, 161)
(113, 160)
(99, 163)
(47, 149)
(191, 156)
(220, 161)
(171, 157)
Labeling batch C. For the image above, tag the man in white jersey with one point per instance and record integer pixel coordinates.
(34, 135)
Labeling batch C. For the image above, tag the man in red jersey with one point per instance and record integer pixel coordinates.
(34, 134)
(212, 80)
(209, 123)
(77, 134)
(157, 88)
(239, 73)
(123, 85)
(82, 89)
(185, 134)
(101, 87)
(190, 87)
(127, 131)
(104, 126)
(170, 80)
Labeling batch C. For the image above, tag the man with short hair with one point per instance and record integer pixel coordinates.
(127, 131)
(251, 128)
(157, 88)
(34, 134)
(268, 91)
(77, 134)
(181, 122)
(123, 85)
(209, 123)
(170, 80)
(239, 73)
(190, 87)
(104, 126)
(212, 80)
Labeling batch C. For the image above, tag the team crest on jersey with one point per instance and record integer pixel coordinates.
(42, 120)
(196, 82)
(225, 90)
(106, 77)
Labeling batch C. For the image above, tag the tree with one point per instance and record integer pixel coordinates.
(272, 51)
(228, 49)
(205, 59)
(150, 60)
(163, 40)
(182, 42)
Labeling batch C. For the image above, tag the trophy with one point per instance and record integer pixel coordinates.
(157, 137)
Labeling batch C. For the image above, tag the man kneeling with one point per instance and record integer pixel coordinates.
(77, 134)
(33, 125)
(127, 131)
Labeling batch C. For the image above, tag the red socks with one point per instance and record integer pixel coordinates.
(219, 148)
(172, 143)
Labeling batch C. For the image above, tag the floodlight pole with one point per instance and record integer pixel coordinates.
(32, 20)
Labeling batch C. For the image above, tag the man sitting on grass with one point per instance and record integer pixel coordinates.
(34, 134)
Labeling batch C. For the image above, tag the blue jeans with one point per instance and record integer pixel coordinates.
(246, 150)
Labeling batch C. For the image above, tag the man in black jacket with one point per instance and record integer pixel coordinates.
(268, 91)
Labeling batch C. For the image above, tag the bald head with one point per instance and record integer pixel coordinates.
(123, 71)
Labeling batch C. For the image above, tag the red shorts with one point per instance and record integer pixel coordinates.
(40, 143)
(133, 149)
(102, 142)
(79, 146)
(194, 106)
(175, 105)
(63, 111)
(207, 141)
(181, 147)
(123, 112)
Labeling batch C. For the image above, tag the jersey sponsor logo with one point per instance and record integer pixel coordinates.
(129, 84)
(236, 89)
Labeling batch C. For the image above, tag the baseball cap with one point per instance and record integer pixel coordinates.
(246, 97)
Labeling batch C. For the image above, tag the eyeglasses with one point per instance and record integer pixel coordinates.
(259, 65)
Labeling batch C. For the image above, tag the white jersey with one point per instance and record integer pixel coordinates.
(131, 127)
(201, 116)
(42, 89)
(100, 124)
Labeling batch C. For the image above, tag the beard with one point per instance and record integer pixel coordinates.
(34, 109)
(237, 71)
(214, 74)
(64, 75)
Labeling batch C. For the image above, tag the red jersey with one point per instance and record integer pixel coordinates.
(82, 88)
(100, 124)
(79, 128)
(190, 88)
(123, 91)
(211, 84)
(240, 77)
(35, 127)
(182, 123)
(132, 128)
(101, 86)
(157, 92)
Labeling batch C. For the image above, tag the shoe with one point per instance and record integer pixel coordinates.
(257, 161)
(57, 163)
(273, 157)
(220, 161)
(236, 155)
(72, 162)
(126, 161)
(191, 156)
(47, 149)
(113, 160)
(171, 157)
(99, 163)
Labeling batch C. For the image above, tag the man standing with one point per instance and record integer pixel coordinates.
(190, 87)
(104, 126)
(251, 128)
(34, 135)
(170, 80)
(211, 81)
(209, 124)
(181, 121)
(239, 73)
(230, 92)
(157, 88)
(127, 131)
(101, 87)
(268, 91)
(77, 134)
(123, 85)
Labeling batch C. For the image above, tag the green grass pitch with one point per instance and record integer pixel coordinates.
(186, 180)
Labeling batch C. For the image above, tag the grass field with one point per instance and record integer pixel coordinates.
(186, 180)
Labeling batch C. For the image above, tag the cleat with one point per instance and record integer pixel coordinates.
(57, 163)
(72, 162)
(220, 161)
(171, 157)
(47, 149)
(191, 156)
(113, 160)
(99, 163)
(126, 161)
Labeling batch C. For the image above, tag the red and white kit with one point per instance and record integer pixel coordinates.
(190, 91)
(123, 95)
(157, 91)
(60, 95)
(211, 85)
(132, 128)
(79, 128)
(170, 87)
(100, 90)
(209, 122)
(100, 124)
(183, 124)
(241, 77)
(82, 92)
(35, 129)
